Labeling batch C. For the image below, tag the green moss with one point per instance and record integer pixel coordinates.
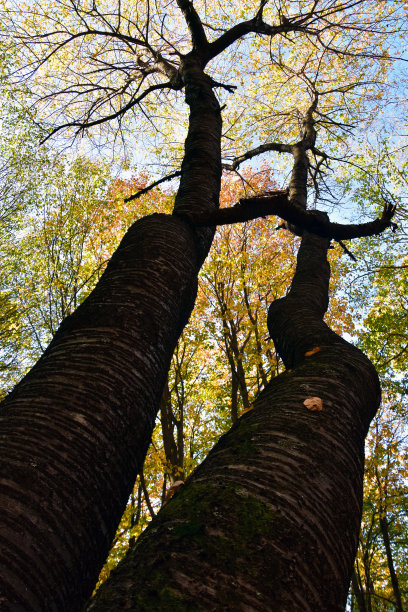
(243, 517)
(188, 530)
(241, 443)
(162, 598)
(225, 526)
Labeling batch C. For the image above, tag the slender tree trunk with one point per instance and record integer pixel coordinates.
(390, 561)
(234, 355)
(270, 520)
(75, 431)
(173, 447)
(136, 513)
(234, 396)
(368, 582)
(241, 379)
(238, 382)
(173, 468)
(358, 591)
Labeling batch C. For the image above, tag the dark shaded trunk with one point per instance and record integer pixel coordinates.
(390, 561)
(234, 355)
(234, 396)
(270, 520)
(358, 591)
(173, 447)
(75, 431)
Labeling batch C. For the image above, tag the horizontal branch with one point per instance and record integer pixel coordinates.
(277, 203)
(247, 209)
(263, 148)
(277, 147)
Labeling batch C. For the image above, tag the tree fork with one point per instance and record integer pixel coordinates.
(270, 519)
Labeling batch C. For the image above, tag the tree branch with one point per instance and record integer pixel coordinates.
(82, 125)
(198, 37)
(277, 203)
(264, 148)
(138, 194)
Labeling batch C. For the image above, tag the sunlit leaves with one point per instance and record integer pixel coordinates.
(385, 498)
(88, 61)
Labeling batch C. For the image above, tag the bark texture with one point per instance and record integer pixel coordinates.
(75, 431)
(201, 168)
(270, 520)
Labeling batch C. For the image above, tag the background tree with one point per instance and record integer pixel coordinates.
(380, 577)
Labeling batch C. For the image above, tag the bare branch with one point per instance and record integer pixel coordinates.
(264, 148)
(346, 250)
(277, 203)
(137, 195)
(83, 125)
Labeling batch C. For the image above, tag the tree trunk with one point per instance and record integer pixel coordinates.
(270, 520)
(76, 429)
(358, 591)
(173, 451)
(234, 396)
(390, 561)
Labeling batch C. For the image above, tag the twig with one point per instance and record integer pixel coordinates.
(345, 249)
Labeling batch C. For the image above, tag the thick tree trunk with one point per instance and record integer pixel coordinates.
(75, 431)
(270, 520)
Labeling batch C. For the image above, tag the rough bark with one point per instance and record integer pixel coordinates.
(201, 167)
(75, 431)
(270, 520)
